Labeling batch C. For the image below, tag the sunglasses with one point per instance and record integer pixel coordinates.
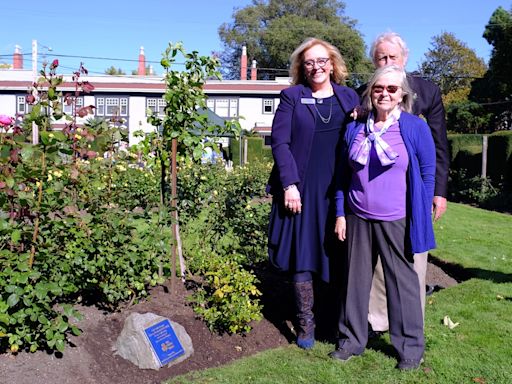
(389, 88)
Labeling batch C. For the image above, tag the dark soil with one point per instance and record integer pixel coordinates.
(89, 358)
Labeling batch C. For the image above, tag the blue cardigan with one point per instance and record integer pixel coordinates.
(420, 178)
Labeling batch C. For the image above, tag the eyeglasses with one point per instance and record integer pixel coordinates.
(389, 88)
(321, 61)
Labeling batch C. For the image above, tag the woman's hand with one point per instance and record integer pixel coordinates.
(292, 199)
(341, 228)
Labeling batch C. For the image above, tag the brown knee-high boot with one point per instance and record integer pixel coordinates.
(304, 300)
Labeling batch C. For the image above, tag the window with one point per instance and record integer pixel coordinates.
(112, 106)
(124, 106)
(224, 107)
(22, 107)
(156, 105)
(100, 106)
(71, 102)
(268, 106)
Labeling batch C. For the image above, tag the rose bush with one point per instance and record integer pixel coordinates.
(76, 225)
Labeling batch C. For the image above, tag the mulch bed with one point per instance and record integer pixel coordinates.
(90, 360)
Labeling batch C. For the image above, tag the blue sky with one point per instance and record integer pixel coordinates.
(117, 29)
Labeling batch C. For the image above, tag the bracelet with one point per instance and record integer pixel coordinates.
(289, 187)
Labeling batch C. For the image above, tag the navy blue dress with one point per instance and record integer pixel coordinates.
(305, 242)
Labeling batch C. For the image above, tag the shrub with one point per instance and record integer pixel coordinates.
(227, 300)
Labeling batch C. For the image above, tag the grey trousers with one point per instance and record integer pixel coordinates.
(365, 240)
(378, 311)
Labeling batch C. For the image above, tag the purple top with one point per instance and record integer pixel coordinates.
(379, 192)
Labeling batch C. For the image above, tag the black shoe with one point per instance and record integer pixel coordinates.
(374, 334)
(409, 364)
(341, 354)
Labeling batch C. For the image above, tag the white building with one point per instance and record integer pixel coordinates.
(253, 101)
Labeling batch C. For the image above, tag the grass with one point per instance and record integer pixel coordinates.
(478, 240)
(478, 350)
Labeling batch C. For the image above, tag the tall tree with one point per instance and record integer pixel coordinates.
(497, 83)
(495, 89)
(272, 29)
(453, 66)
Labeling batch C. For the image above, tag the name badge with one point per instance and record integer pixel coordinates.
(307, 100)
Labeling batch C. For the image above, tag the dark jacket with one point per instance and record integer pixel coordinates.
(428, 103)
(420, 178)
(292, 133)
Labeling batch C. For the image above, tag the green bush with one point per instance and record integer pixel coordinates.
(466, 154)
(224, 218)
(227, 300)
(227, 210)
(74, 225)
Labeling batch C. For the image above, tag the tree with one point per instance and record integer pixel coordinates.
(453, 66)
(272, 29)
(113, 71)
(495, 89)
(467, 117)
(497, 83)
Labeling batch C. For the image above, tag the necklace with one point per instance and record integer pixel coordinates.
(325, 120)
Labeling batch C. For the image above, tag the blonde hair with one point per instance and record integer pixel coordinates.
(339, 73)
(407, 93)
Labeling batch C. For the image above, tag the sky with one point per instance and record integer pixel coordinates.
(110, 33)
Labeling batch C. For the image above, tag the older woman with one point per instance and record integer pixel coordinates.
(306, 130)
(389, 170)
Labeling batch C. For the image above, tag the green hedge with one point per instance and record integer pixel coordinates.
(466, 153)
(499, 158)
(256, 149)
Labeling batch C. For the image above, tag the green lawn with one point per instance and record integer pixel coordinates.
(478, 350)
(477, 239)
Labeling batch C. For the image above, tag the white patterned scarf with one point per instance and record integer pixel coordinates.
(385, 153)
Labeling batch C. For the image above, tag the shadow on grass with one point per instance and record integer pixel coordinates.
(460, 273)
(383, 345)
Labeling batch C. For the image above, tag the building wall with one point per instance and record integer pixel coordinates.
(248, 93)
(251, 112)
(7, 105)
(137, 119)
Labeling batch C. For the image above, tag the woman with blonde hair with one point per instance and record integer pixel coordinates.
(306, 130)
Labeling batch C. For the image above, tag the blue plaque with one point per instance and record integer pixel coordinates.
(164, 341)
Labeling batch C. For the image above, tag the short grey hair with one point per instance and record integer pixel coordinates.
(390, 37)
(407, 93)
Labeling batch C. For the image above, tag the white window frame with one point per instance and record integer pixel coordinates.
(157, 105)
(100, 106)
(22, 107)
(112, 106)
(68, 109)
(230, 110)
